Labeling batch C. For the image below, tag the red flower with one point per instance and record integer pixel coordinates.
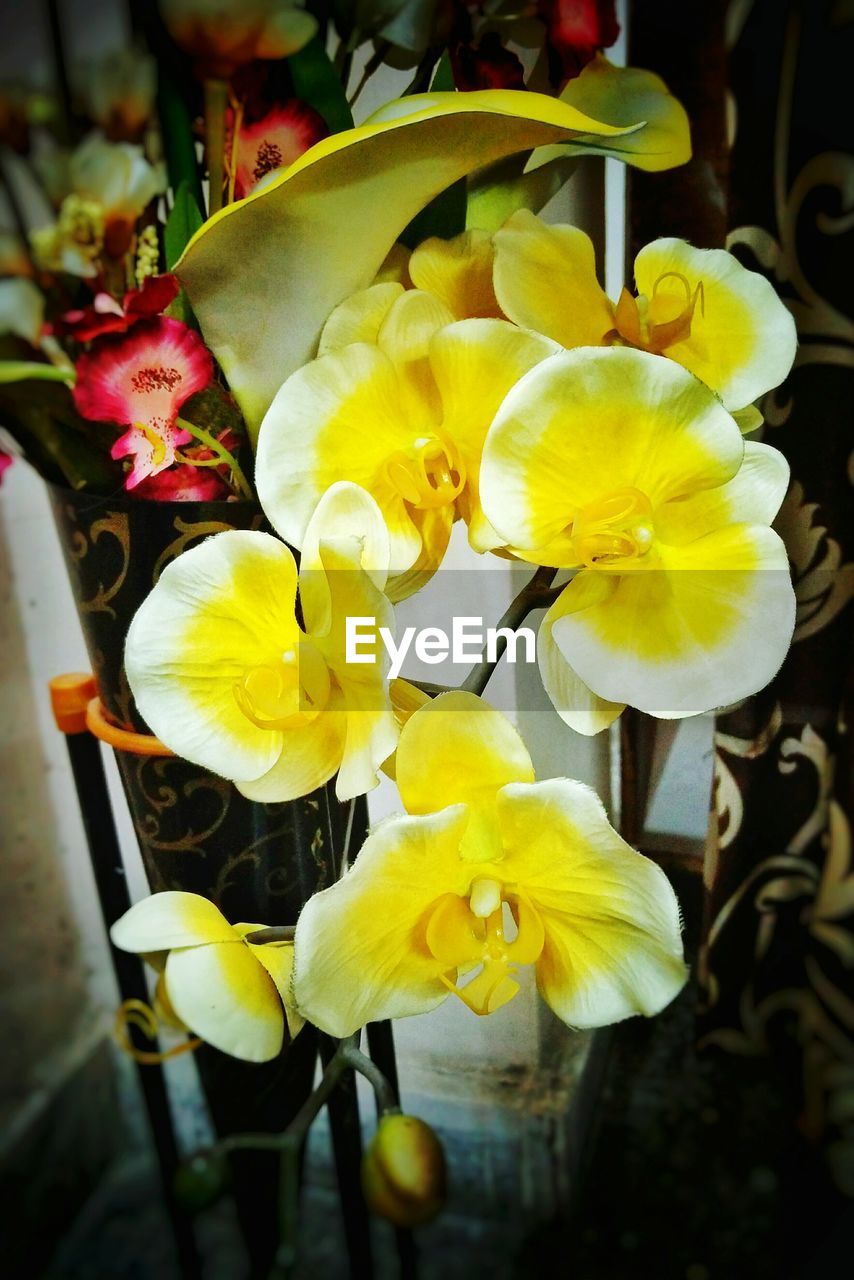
(5, 462)
(142, 379)
(184, 483)
(486, 65)
(106, 316)
(577, 28)
(274, 142)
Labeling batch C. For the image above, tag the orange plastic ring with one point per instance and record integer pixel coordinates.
(138, 744)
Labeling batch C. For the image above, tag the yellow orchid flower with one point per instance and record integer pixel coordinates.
(225, 676)
(403, 412)
(491, 871)
(625, 467)
(700, 307)
(319, 232)
(234, 993)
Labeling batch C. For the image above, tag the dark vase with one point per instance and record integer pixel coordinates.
(258, 862)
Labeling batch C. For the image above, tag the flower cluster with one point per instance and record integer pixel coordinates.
(393, 378)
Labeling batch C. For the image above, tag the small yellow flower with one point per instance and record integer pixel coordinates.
(491, 871)
(233, 993)
(699, 307)
(225, 676)
(626, 469)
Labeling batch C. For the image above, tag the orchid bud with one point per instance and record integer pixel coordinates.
(403, 1171)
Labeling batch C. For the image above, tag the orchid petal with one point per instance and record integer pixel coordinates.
(610, 918)
(170, 919)
(228, 998)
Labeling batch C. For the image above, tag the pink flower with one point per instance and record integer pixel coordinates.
(274, 142)
(5, 462)
(106, 316)
(142, 379)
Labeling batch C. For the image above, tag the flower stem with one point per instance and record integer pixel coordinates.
(216, 97)
(220, 453)
(534, 595)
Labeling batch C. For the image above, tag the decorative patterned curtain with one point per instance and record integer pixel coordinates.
(778, 967)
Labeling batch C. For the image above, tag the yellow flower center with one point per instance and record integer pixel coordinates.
(285, 694)
(429, 474)
(158, 444)
(464, 933)
(655, 323)
(613, 530)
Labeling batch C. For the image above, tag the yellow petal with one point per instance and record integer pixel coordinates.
(459, 271)
(458, 749)
(405, 336)
(264, 274)
(545, 279)
(742, 340)
(310, 756)
(340, 418)
(359, 947)
(359, 317)
(753, 496)
(624, 95)
(611, 920)
(218, 610)
(170, 919)
(576, 704)
(475, 363)
(278, 959)
(348, 518)
(710, 627)
(586, 423)
(225, 996)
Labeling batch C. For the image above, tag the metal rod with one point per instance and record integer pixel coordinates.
(105, 852)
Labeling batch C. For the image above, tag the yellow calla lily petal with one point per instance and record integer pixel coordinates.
(709, 627)
(228, 998)
(339, 418)
(170, 919)
(218, 610)
(473, 749)
(753, 496)
(611, 921)
(459, 271)
(742, 339)
(359, 317)
(360, 954)
(287, 251)
(545, 279)
(576, 704)
(593, 422)
(475, 363)
(624, 95)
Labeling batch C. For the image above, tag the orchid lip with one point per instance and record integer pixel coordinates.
(615, 530)
(285, 694)
(427, 475)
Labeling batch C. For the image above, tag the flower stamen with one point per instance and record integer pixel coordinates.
(286, 694)
(614, 529)
(428, 475)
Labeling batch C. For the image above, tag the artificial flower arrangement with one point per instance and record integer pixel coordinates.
(371, 329)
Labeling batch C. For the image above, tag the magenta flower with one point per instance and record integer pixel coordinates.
(141, 380)
(275, 142)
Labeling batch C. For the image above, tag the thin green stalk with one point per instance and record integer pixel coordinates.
(216, 100)
(222, 455)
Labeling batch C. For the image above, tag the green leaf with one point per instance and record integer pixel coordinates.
(178, 142)
(31, 370)
(443, 80)
(316, 82)
(182, 224)
(55, 440)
